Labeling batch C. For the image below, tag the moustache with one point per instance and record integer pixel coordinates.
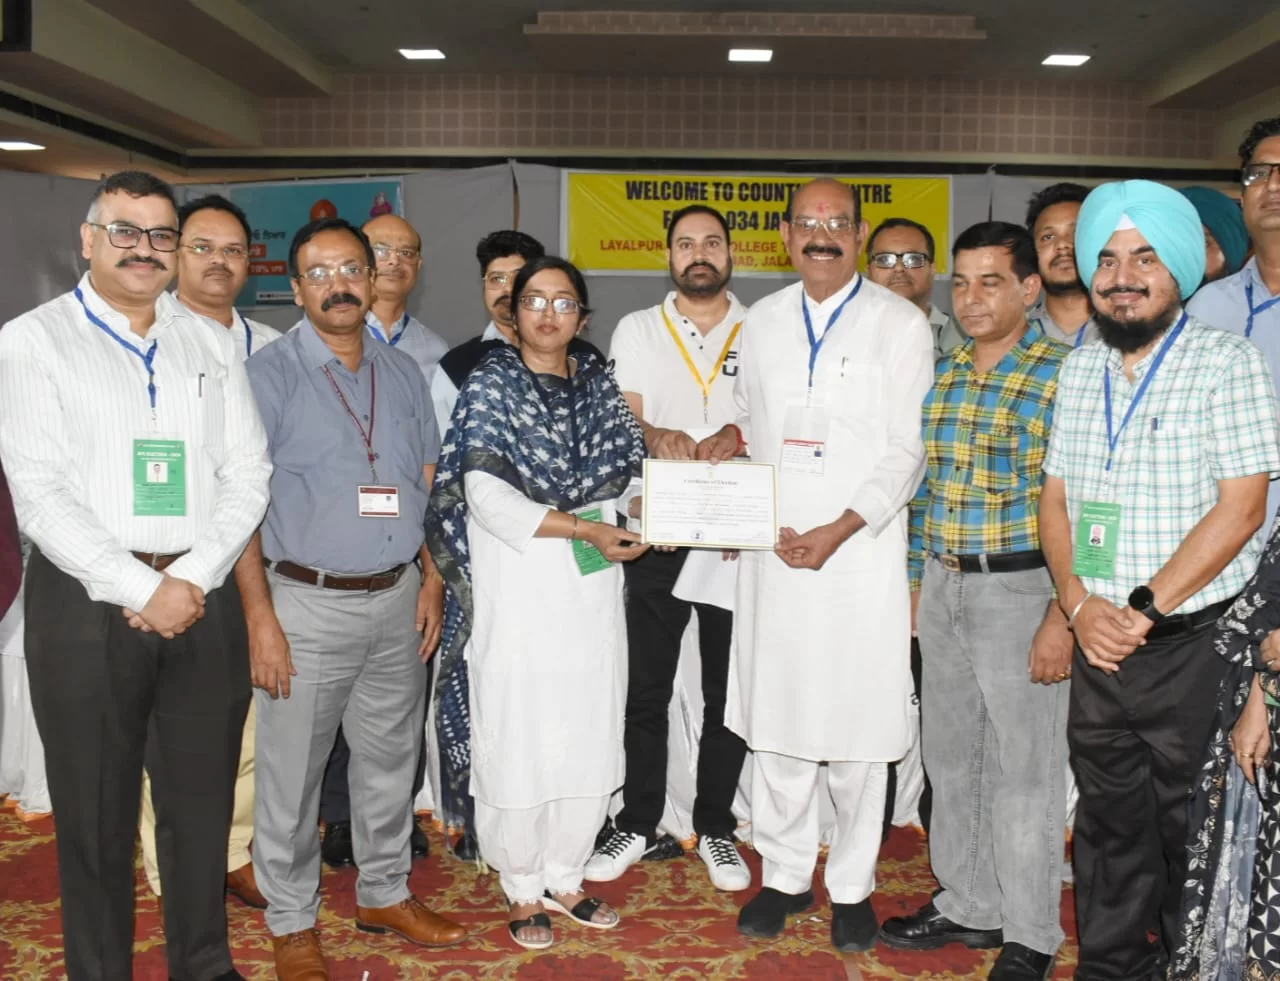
(335, 298)
(221, 271)
(1112, 291)
(832, 250)
(141, 260)
(701, 265)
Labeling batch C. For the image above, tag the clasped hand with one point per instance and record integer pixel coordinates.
(1108, 634)
(173, 608)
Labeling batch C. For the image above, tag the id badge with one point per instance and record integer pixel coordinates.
(589, 558)
(1097, 540)
(159, 478)
(378, 502)
(804, 440)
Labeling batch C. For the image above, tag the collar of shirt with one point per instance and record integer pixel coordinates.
(938, 318)
(1260, 292)
(167, 307)
(317, 352)
(491, 333)
(405, 321)
(1115, 359)
(820, 313)
(963, 355)
(735, 315)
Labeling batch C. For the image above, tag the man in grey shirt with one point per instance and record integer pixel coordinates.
(341, 619)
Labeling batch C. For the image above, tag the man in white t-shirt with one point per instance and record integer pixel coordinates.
(675, 363)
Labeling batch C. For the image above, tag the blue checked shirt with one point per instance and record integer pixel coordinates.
(985, 437)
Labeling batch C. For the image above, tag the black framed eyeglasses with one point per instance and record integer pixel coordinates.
(1258, 173)
(123, 235)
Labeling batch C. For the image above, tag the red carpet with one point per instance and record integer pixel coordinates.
(674, 926)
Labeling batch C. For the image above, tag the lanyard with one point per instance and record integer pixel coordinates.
(146, 358)
(1080, 334)
(703, 384)
(815, 343)
(248, 335)
(1260, 308)
(373, 401)
(1114, 438)
(393, 341)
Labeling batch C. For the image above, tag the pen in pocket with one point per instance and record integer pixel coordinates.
(200, 385)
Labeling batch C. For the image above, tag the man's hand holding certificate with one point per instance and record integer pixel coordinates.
(700, 505)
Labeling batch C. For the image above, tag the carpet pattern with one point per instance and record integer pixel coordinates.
(675, 926)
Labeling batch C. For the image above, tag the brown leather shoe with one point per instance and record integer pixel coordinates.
(411, 920)
(242, 884)
(298, 957)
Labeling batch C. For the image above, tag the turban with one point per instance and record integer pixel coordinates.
(1166, 219)
(1222, 216)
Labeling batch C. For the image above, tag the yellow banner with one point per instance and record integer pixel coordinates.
(617, 222)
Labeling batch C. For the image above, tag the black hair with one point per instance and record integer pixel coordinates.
(310, 230)
(1015, 239)
(902, 223)
(215, 202)
(853, 192)
(1263, 129)
(136, 184)
(499, 245)
(1051, 195)
(544, 262)
(695, 209)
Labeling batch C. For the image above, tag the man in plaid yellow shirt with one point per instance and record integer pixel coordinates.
(995, 646)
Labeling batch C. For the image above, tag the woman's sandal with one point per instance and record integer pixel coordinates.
(582, 912)
(537, 920)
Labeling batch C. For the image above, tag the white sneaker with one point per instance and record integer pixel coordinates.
(620, 851)
(729, 873)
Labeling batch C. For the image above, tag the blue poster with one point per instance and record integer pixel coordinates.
(276, 211)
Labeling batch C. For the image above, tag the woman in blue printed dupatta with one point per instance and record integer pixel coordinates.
(522, 526)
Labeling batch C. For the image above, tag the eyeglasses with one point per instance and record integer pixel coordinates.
(323, 275)
(836, 225)
(123, 235)
(232, 253)
(384, 252)
(909, 260)
(1259, 173)
(562, 305)
(497, 280)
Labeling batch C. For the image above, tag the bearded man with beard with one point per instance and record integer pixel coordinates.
(1164, 437)
(675, 364)
(1063, 309)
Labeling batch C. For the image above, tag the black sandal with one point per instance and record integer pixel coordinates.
(582, 912)
(537, 920)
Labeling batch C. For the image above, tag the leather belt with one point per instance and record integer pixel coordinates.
(993, 561)
(157, 561)
(1184, 623)
(327, 580)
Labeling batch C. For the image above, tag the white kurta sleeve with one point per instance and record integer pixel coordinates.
(896, 476)
(740, 400)
(503, 511)
(444, 396)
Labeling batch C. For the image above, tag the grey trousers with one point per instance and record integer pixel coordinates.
(995, 749)
(356, 657)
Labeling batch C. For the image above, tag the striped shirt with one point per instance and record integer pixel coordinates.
(985, 437)
(1208, 415)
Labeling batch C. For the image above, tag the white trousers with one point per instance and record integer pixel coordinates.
(539, 848)
(785, 824)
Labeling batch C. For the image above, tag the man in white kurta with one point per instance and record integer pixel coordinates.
(834, 370)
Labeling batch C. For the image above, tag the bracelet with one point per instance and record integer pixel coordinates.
(1071, 620)
(742, 443)
(573, 535)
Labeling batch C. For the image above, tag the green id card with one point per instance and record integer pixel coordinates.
(159, 478)
(589, 558)
(1096, 540)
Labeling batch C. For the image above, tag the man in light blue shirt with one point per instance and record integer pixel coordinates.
(1248, 302)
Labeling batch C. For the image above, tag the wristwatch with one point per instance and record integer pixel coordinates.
(1144, 601)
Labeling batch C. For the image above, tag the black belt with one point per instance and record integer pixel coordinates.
(1184, 623)
(993, 561)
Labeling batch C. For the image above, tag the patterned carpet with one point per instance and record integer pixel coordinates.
(675, 926)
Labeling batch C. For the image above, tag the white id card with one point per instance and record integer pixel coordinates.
(379, 502)
(804, 440)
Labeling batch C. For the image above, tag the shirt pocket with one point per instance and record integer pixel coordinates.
(209, 389)
(1001, 462)
(1170, 464)
(857, 393)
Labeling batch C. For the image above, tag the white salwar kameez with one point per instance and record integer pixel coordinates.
(820, 669)
(22, 773)
(547, 663)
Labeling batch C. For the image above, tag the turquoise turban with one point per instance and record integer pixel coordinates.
(1223, 217)
(1166, 219)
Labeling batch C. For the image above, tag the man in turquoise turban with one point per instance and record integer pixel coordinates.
(1226, 240)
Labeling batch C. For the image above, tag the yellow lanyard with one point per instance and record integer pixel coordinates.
(705, 386)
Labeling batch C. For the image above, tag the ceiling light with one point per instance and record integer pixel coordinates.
(751, 54)
(422, 54)
(1066, 61)
(19, 145)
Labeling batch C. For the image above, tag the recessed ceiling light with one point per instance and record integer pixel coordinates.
(422, 54)
(1066, 61)
(19, 145)
(751, 54)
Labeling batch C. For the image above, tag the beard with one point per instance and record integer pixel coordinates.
(1063, 287)
(1127, 336)
(707, 286)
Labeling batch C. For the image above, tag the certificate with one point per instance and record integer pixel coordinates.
(694, 504)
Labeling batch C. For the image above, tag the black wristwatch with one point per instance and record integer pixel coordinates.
(1144, 601)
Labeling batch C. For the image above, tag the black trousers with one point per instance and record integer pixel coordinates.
(335, 793)
(1137, 738)
(104, 697)
(656, 622)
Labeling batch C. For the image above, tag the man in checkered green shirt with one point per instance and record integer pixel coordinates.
(993, 644)
(1164, 437)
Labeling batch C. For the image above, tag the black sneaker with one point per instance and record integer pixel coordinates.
(1019, 963)
(766, 915)
(853, 926)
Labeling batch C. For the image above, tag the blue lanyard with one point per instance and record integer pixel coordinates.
(1114, 438)
(393, 341)
(147, 358)
(248, 335)
(815, 343)
(1260, 308)
(1080, 335)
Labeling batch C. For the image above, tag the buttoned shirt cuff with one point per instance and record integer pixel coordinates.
(871, 506)
(137, 585)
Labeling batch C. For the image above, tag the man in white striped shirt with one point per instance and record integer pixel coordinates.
(135, 635)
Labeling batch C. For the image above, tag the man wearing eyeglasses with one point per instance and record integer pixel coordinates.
(1248, 302)
(833, 374)
(900, 258)
(136, 649)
